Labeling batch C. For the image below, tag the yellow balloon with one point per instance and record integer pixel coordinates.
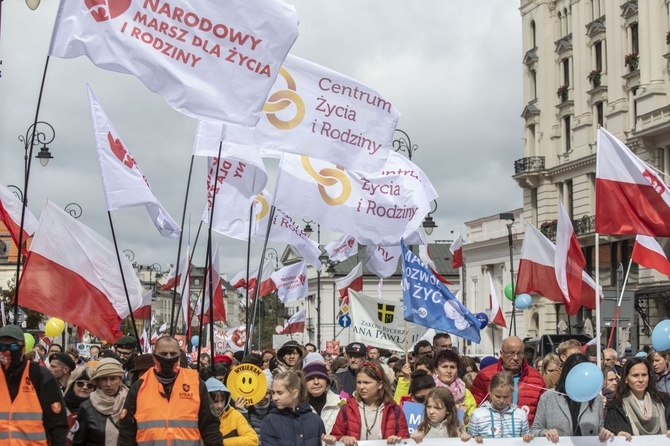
(54, 327)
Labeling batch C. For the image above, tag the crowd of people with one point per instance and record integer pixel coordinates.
(118, 396)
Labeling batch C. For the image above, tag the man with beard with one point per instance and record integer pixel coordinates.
(169, 402)
(126, 348)
(33, 406)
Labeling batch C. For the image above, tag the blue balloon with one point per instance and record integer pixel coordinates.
(584, 382)
(195, 340)
(483, 320)
(523, 301)
(660, 337)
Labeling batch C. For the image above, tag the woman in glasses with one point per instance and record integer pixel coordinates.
(98, 417)
(78, 390)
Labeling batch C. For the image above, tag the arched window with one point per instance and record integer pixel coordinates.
(532, 33)
(560, 24)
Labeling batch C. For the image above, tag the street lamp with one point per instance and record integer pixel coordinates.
(74, 210)
(155, 268)
(428, 223)
(510, 216)
(33, 4)
(130, 255)
(404, 144)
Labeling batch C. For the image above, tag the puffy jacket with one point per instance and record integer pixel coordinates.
(346, 381)
(348, 422)
(617, 421)
(288, 427)
(530, 388)
(236, 430)
(91, 426)
(255, 416)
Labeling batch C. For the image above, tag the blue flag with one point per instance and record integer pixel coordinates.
(429, 303)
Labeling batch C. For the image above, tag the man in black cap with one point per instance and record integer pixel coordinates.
(31, 390)
(346, 379)
(126, 348)
(61, 366)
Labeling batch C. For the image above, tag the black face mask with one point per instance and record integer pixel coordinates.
(166, 367)
(13, 360)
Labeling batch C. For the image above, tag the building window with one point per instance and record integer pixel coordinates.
(634, 39)
(567, 133)
(533, 83)
(600, 114)
(531, 140)
(569, 208)
(567, 21)
(532, 33)
(4, 251)
(533, 206)
(598, 53)
(560, 24)
(566, 71)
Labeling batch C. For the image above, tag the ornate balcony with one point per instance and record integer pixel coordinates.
(583, 226)
(528, 164)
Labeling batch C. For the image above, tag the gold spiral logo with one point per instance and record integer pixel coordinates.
(265, 207)
(329, 177)
(283, 99)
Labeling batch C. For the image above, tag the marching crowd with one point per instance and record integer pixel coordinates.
(118, 396)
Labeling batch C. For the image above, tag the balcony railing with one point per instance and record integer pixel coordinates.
(529, 164)
(583, 226)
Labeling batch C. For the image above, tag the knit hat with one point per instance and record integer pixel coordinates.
(64, 358)
(223, 358)
(253, 358)
(12, 331)
(107, 367)
(126, 342)
(487, 361)
(315, 369)
(313, 357)
(214, 385)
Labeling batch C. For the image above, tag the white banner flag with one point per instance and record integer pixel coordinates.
(123, 182)
(206, 58)
(342, 248)
(318, 112)
(382, 260)
(376, 209)
(291, 282)
(380, 322)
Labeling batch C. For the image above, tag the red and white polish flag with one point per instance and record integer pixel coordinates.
(295, 324)
(424, 255)
(537, 273)
(173, 278)
(648, 253)
(73, 273)
(630, 197)
(144, 312)
(267, 285)
(456, 250)
(10, 215)
(218, 304)
(497, 316)
(240, 279)
(353, 280)
(291, 282)
(341, 249)
(569, 260)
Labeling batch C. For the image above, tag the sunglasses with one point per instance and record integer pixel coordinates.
(11, 347)
(86, 384)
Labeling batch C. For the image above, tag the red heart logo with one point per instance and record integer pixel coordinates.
(121, 153)
(103, 10)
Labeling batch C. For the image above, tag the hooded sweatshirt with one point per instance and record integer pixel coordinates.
(234, 426)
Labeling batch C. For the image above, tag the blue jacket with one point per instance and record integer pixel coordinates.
(287, 427)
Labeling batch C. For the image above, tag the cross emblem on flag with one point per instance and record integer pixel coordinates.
(385, 313)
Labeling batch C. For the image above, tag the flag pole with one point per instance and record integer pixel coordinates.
(202, 315)
(181, 238)
(246, 283)
(618, 307)
(406, 343)
(597, 291)
(123, 279)
(493, 340)
(195, 243)
(26, 174)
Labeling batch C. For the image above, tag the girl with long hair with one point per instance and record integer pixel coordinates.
(440, 417)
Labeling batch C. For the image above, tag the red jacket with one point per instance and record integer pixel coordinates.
(531, 386)
(348, 422)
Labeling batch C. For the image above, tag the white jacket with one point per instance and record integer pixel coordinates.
(487, 422)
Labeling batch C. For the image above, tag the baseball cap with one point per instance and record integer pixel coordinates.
(356, 348)
(64, 358)
(126, 342)
(12, 331)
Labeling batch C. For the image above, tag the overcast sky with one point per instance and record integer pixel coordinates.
(452, 68)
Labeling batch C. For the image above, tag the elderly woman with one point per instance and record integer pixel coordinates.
(289, 357)
(324, 401)
(638, 408)
(78, 390)
(98, 417)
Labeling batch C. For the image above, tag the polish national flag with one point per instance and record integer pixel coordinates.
(240, 279)
(648, 253)
(144, 312)
(10, 215)
(296, 324)
(537, 273)
(424, 255)
(456, 250)
(497, 315)
(267, 285)
(353, 280)
(218, 305)
(630, 197)
(172, 278)
(569, 261)
(73, 273)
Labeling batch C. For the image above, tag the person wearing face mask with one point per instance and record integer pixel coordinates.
(40, 395)
(169, 402)
(98, 417)
(234, 427)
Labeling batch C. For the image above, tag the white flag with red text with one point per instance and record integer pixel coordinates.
(341, 249)
(630, 197)
(648, 252)
(569, 260)
(10, 215)
(497, 316)
(206, 58)
(382, 261)
(291, 282)
(73, 273)
(320, 113)
(377, 209)
(123, 182)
